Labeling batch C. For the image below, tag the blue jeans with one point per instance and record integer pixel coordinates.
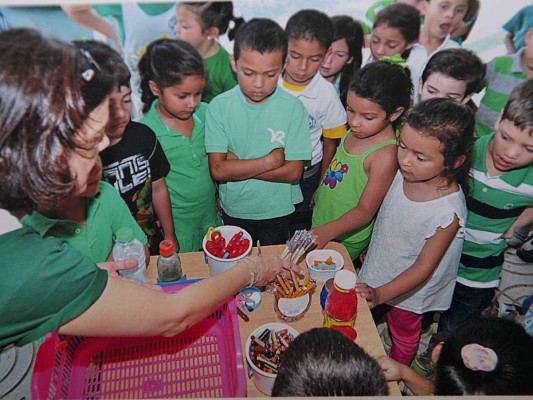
(467, 302)
(268, 231)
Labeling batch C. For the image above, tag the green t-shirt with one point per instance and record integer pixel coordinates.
(106, 214)
(251, 131)
(45, 283)
(221, 75)
(190, 186)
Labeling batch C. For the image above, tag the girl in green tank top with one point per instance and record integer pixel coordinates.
(365, 163)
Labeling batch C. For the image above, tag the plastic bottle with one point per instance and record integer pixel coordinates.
(168, 262)
(341, 303)
(126, 247)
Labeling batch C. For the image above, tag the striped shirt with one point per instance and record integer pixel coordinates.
(503, 74)
(494, 203)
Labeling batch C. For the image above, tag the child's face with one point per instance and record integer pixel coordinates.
(336, 59)
(366, 118)
(420, 157)
(258, 74)
(179, 101)
(440, 86)
(304, 61)
(119, 113)
(386, 42)
(511, 148)
(85, 165)
(444, 15)
(188, 26)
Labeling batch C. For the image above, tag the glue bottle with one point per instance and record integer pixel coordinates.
(127, 247)
(168, 262)
(341, 304)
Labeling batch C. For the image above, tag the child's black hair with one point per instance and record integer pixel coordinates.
(386, 84)
(167, 62)
(459, 64)
(262, 35)
(323, 362)
(108, 59)
(403, 17)
(311, 25)
(513, 372)
(216, 14)
(519, 107)
(347, 28)
(452, 123)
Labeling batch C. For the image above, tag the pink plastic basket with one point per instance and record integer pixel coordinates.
(204, 361)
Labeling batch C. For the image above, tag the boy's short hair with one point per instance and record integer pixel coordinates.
(108, 59)
(459, 64)
(403, 17)
(262, 35)
(311, 25)
(323, 362)
(519, 107)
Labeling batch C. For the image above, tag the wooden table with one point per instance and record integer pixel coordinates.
(194, 266)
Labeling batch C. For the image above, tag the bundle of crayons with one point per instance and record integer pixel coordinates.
(292, 288)
(298, 245)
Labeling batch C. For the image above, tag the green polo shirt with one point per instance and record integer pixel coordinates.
(106, 214)
(494, 203)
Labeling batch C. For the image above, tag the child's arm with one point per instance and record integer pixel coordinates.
(161, 202)
(394, 371)
(509, 43)
(382, 166)
(328, 152)
(226, 168)
(524, 219)
(426, 262)
(290, 171)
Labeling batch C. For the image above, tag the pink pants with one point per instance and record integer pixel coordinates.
(405, 329)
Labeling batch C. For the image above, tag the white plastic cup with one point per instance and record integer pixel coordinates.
(217, 264)
(322, 255)
(262, 380)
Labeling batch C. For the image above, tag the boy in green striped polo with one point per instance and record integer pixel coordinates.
(503, 74)
(500, 200)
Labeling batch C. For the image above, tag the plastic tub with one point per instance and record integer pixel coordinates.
(203, 361)
(322, 255)
(264, 381)
(217, 264)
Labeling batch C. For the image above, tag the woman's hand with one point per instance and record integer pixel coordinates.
(369, 293)
(266, 267)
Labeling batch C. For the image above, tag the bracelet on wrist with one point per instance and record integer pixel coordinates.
(251, 264)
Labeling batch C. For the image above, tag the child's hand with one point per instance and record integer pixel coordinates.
(368, 293)
(391, 369)
(276, 158)
(172, 237)
(322, 236)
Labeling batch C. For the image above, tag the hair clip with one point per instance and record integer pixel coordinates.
(88, 74)
(478, 358)
(396, 60)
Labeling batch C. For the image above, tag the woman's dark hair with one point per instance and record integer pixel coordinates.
(167, 62)
(324, 362)
(108, 59)
(215, 14)
(262, 35)
(513, 348)
(48, 88)
(384, 83)
(347, 28)
(452, 123)
(403, 17)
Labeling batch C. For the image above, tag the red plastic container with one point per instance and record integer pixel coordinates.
(204, 361)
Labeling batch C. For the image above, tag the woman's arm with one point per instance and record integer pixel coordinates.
(161, 202)
(382, 166)
(224, 168)
(426, 262)
(129, 309)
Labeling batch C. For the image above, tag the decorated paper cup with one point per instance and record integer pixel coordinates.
(322, 272)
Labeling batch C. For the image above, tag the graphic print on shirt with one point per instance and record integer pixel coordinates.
(277, 136)
(335, 173)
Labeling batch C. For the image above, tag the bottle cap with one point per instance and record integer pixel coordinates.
(124, 235)
(166, 248)
(345, 279)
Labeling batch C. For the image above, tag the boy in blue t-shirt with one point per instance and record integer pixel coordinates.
(257, 137)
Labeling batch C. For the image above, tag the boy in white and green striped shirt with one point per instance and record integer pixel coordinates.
(501, 191)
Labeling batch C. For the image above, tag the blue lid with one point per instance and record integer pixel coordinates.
(253, 297)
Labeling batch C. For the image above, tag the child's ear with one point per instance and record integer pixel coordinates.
(350, 60)
(233, 62)
(423, 7)
(212, 33)
(396, 114)
(156, 91)
(459, 161)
